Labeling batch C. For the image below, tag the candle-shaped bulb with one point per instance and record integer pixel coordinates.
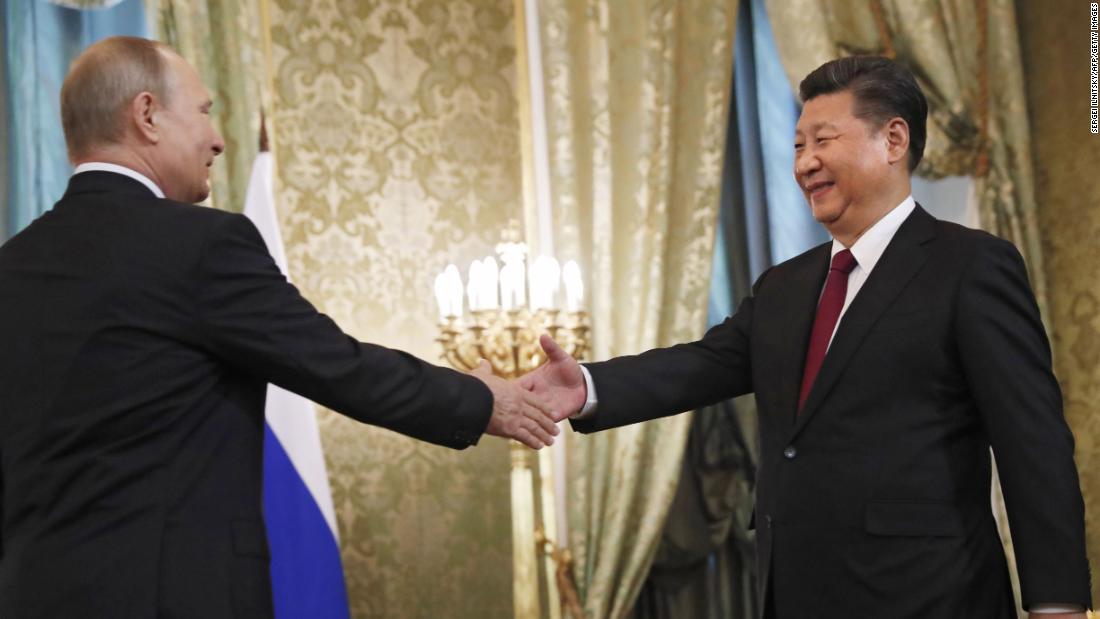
(454, 290)
(507, 298)
(474, 278)
(512, 283)
(519, 286)
(491, 276)
(544, 277)
(441, 297)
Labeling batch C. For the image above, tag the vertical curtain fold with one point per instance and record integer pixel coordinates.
(223, 40)
(636, 102)
(40, 40)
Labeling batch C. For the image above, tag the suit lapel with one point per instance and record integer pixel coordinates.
(901, 261)
(797, 319)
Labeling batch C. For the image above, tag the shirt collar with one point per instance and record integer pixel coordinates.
(869, 247)
(100, 166)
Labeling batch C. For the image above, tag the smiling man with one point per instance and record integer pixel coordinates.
(139, 332)
(886, 364)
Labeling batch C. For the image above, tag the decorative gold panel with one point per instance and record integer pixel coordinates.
(398, 150)
(1066, 155)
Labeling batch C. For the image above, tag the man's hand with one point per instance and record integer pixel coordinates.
(559, 381)
(517, 413)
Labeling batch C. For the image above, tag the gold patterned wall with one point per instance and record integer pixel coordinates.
(397, 150)
(1067, 156)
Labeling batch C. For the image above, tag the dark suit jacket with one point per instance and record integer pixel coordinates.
(136, 339)
(875, 500)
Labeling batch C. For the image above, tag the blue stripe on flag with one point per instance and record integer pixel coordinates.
(307, 577)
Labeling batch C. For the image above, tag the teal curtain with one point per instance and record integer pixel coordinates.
(40, 39)
(767, 113)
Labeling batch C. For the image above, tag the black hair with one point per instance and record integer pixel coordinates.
(882, 88)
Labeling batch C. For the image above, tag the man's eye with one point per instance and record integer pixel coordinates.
(797, 146)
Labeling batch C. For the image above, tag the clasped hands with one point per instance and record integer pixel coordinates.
(529, 409)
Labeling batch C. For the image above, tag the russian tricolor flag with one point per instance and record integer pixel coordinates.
(306, 575)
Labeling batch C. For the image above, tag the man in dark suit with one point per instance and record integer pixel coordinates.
(885, 364)
(139, 332)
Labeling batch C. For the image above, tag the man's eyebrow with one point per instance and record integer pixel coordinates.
(209, 103)
(817, 126)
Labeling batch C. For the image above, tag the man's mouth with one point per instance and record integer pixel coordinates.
(819, 188)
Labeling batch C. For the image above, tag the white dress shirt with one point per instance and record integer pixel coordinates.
(867, 250)
(100, 166)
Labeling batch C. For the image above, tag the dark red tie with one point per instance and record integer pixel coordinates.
(828, 312)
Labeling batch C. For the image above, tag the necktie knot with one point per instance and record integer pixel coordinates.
(844, 262)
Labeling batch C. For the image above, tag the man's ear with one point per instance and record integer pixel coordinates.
(896, 132)
(143, 116)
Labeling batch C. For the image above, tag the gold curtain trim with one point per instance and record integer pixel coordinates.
(981, 163)
(883, 31)
(981, 159)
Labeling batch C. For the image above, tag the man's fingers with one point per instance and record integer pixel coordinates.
(553, 351)
(537, 402)
(540, 433)
(524, 436)
(543, 418)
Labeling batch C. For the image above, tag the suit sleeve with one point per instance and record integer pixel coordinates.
(259, 323)
(1007, 361)
(667, 381)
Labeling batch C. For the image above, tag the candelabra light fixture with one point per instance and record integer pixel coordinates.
(508, 306)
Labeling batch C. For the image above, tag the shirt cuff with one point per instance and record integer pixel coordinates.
(1055, 608)
(589, 407)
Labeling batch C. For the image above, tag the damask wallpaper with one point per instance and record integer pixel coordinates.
(397, 152)
(1056, 62)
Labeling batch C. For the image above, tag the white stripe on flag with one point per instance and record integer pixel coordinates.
(291, 417)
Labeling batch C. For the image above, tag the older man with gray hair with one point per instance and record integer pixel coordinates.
(140, 331)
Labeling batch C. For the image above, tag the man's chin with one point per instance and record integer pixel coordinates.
(199, 196)
(202, 194)
(823, 214)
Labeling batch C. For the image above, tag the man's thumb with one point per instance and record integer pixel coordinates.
(553, 351)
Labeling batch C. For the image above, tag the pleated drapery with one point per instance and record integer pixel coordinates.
(636, 100)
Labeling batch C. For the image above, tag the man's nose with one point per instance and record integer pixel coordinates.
(218, 145)
(805, 162)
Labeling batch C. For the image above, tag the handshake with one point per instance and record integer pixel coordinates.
(529, 409)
